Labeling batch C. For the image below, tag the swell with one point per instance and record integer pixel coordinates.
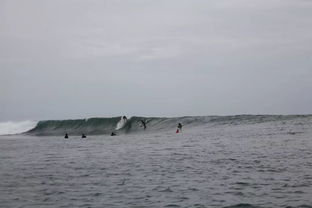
(97, 126)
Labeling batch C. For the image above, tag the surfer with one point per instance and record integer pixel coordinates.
(125, 118)
(143, 124)
(83, 136)
(179, 128)
(66, 136)
(113, 134)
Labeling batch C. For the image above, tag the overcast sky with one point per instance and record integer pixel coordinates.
(76, 58)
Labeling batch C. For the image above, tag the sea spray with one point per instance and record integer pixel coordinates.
(11, 127)
(122, 122)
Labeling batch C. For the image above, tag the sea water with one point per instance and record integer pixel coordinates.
(249, 165)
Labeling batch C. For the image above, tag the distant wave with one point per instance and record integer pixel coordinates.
(97, 126)
(11, 127)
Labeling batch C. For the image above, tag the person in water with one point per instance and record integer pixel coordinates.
(143, 124)
(125, 118)
(113, 134)
(179, 127)
(83, 136)
(66, 136)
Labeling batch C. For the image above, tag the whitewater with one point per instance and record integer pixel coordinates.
(217, 161)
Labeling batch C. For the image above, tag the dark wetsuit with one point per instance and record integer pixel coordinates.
(113, 134)
(124, 118)
(180, 126)
(66, 136)
(144, 124)
(83, 136)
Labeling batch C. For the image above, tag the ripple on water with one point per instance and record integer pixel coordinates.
(228, 168)
(198, 206)
(166, 190)
(242, 205)
(172, 205)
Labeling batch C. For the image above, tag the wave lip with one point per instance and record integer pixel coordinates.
(13, 127)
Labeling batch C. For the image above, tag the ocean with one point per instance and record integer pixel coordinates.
(216, 161)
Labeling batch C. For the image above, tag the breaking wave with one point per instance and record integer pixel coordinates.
(10, 127)
(96, 126)
(121, 123)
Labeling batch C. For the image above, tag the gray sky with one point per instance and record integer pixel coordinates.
(76, 58)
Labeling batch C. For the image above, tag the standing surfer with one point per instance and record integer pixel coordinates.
(143, 124)
(125, 118)
(179, 128)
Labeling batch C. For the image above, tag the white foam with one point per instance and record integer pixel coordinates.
(11, 127)
(121, 123)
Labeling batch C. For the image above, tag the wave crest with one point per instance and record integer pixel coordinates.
(11, 127)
